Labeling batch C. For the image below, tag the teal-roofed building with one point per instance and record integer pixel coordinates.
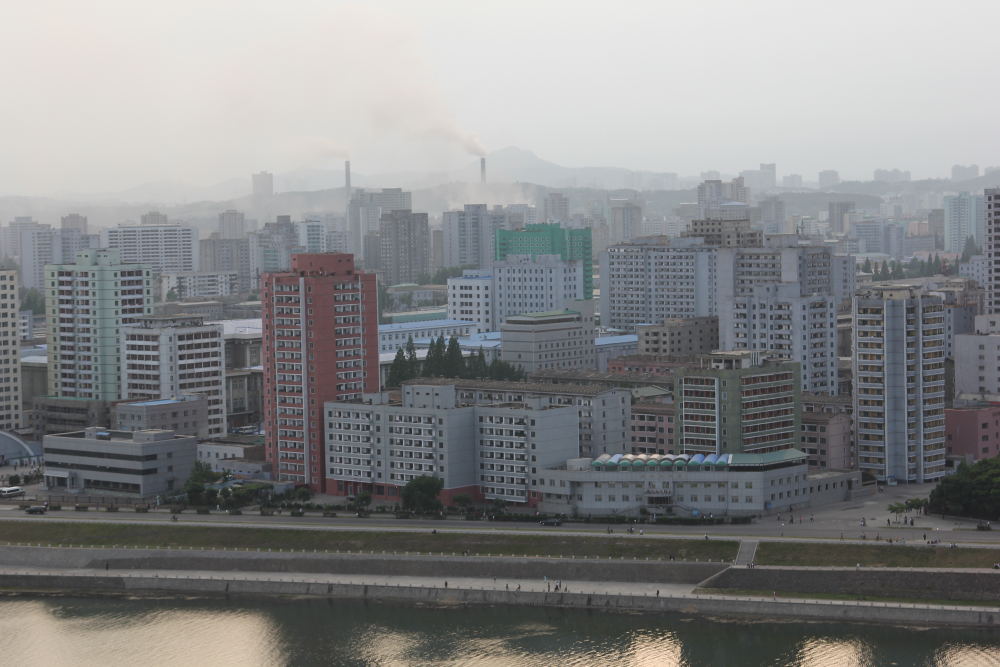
(550, 239)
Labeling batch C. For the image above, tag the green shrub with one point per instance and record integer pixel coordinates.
(203, 510)
(111, 508)
(81, 508)
(141, 510)
(55, 507)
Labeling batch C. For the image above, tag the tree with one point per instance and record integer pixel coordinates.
(420, 494)
(937, 265)
(970, 249)
(362, 500)
(463, 500)
(423, 278)
(867, 268)
(897, 271)
(172, 295)
(913, 268)
(383, 302)
(454, 361)
(499, 504)
(398, 370)
(885, 270)
(974, 490)
(412, 365)
(434, 362)
(32, 300)
(505, 371)
(304, 493)
(9, 265)
(897, 509)
(477, 366)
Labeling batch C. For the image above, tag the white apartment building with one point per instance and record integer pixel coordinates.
(232, 225)
(10, 236)
(976, 268)
(394, 336)
(470, 234)
(964, 216)
(201, 283)
(168, 248)
(471, 299)
(899, 367)
(162, 357)
(10, 357)
(488, 451)
(784, 299)
(526, 284)
(652, 279)
(40, 247)
(551, 339)
(992, 249)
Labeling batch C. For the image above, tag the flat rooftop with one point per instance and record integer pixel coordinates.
(159, 401)
(538, 387)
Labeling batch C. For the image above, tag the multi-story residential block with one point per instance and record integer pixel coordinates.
(899, 355)
(469, 235)
(533, 283)
(232, 225)
(168, 248)
(185, 414)
(88, 304)
(404, 246)
(738, 402)
(142, 463)
(837, 211)
(680, 337)
(244, 387)
(551, 339)
(320, 344)
(733, 233)
(935, 225)
(828, 439)
(964, 216)
(26, 324)
(977, 362)
(75, 221)
(649, 280)
(653, 428)
(164, 356)
(963, 302)
(714, 192)
(366, 208)
(551, 239)
(828, 178)
(218, 255)
(10, 357)
(11, 239)
(200, 284)
(783, 298)
(487, 449)
(625, 218)
(41, 247)
(976, 268)
(973, 431)
(603, 412)
(992, 249)
(471, 298)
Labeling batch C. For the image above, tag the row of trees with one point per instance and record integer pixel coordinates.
(440, 277)
(915, 268)
(447, 361)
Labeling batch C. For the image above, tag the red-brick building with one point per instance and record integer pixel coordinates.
(972, 432)
(320, 344)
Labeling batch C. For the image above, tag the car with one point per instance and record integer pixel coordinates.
(550, 522)
(38, 509)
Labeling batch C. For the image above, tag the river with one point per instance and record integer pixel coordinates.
(79, 631)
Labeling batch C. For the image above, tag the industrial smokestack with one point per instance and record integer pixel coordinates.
(347, 175)
(482, 169)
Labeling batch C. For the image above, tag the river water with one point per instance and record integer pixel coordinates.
(79, 631)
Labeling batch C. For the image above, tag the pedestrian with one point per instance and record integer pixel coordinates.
(105, 567)
(446, 584)
(519, 587)
(640, 532)
(775, 595)
(810, 518)
(550, 587)
(857, 568)
(658, 591)
(841, 537)
(507, 586)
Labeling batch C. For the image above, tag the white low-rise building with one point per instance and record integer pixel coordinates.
(200, 284)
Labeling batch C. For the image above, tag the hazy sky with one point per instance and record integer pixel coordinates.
(106, 95)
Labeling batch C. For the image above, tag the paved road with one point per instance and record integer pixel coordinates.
(829, 521)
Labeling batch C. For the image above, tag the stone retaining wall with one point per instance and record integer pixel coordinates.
(757, 608)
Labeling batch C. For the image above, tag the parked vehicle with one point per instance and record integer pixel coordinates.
(550, 522)
(37, 509)
(11, 492)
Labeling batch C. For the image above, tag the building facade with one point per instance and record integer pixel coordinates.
(366, 208)
(185, 414)
(10, 357)
(218, 255)
(231, 225)
(551, 339)
(899, 355)
(404, 246)
(551, 239)
(163, 357)
(201, 284)
(89, 303)
(167, 248)
(679, 337)
(320, 344)
(41, 247)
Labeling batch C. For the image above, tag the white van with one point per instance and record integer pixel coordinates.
(11, 492)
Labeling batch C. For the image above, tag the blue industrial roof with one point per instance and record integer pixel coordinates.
(616, 340)
(161, 401)
(422, 324)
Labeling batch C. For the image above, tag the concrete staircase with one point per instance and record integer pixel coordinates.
(747, 550)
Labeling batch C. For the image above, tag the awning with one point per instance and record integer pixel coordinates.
(57, 473)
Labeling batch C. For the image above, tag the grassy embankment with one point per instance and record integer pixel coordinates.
(873, 555)
(555, 544)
